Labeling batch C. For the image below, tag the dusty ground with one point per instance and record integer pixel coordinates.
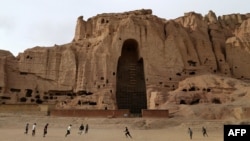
(106, 129)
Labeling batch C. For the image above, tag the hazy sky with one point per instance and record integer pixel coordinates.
(29, 23)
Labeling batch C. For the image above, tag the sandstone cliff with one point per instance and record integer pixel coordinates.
(89, 71)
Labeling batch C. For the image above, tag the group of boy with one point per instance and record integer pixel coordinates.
(204, 132)
(81, 129)
(45, 129)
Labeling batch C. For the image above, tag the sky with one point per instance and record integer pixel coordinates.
(28, 23)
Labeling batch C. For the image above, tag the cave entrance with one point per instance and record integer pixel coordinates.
(130, 81)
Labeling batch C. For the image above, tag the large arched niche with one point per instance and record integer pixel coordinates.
(130, 81)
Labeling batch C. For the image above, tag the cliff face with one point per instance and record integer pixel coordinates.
(114, 54)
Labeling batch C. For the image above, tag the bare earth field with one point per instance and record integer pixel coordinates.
(108, 129)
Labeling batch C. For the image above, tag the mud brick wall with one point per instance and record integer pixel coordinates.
(155, 113)
(90, 113)
(19, 108)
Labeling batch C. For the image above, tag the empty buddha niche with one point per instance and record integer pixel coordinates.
(130, 87)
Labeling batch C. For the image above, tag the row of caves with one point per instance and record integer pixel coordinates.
(51, 96)
(197, 101)
(195, 95)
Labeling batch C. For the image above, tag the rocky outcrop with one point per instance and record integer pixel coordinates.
(208, 89)
(216, 97)
(86, 71)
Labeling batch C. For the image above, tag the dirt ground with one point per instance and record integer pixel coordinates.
(12, 127)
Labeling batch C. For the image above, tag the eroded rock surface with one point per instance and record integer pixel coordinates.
(128, 52)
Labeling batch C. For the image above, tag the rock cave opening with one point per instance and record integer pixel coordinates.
(183, 102)
(28, 93)
(216, 101)
(196, 101)
(130, 80)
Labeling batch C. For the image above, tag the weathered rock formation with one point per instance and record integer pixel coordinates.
(128, 60)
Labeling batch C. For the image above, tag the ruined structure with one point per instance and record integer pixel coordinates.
(129, 60)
